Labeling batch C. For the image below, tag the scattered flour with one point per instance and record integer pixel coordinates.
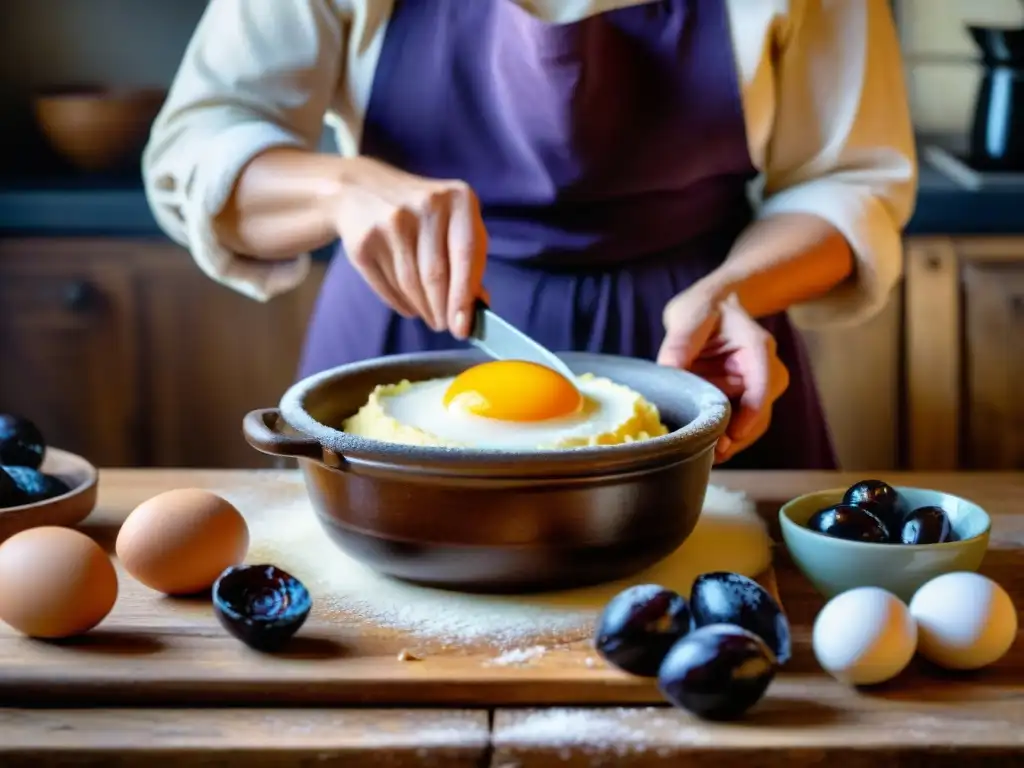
(519, 656)
(284, 531)
(606, 735)
(569, 727)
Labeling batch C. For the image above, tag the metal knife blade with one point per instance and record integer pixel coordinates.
(503, 341)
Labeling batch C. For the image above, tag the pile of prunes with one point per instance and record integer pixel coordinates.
(713, 655)
(873, 511)
(22, 449)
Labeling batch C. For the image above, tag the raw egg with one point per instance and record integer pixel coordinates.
(180, 541)
(55, 582)
(964, 620)
(864, 636)
(513, 390)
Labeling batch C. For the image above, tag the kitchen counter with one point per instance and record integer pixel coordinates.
(117, 208)
(806, 718)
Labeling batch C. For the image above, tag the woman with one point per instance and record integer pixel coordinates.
(595, 156)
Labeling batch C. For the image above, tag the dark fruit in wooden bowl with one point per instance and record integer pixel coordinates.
(33, 486)
(880, 499)
(10, 494)
(639, 626)
(717, 672)
(845, 521)
(21, 442)
(729, 598)
(261, 605)
(927, 525)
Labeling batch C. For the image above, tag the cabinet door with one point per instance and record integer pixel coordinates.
(993, 428)
(965, 353)
(933, 349)
(858, 375)
(210, 356)
(67, 345)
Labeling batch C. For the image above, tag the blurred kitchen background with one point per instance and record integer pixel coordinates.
(121, 350)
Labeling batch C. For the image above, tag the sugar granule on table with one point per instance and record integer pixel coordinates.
(284, 531)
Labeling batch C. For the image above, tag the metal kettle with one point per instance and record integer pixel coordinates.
(997, 131)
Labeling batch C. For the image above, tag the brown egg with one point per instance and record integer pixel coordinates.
(180, 541)
(55, 582)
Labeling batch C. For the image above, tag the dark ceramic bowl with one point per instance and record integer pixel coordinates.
(499, 521)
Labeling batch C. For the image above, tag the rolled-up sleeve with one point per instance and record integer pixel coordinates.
(842, 145)
(257, 74)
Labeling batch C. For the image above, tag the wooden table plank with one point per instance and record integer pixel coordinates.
(804, 721)
(247, 738)
(156, 651)
(922, 718)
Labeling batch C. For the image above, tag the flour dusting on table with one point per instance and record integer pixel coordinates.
(615, 732)
(285, 532)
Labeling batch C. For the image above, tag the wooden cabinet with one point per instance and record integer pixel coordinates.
(126, 353)
(211, 355)
(69, 342)
(965, 353)
(993, 407)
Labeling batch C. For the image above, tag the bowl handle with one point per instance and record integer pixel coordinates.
(260, 430)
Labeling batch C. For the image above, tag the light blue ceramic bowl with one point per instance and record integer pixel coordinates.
(835, 565)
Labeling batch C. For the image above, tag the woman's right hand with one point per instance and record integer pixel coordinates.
(420, 243)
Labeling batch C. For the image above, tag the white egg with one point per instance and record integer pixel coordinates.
(606, 407)
(964, 620)
(864, 636)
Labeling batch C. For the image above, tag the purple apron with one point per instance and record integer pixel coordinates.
(610, 159)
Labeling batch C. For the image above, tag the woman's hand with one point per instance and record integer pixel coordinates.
(721, 343)
(420, 243)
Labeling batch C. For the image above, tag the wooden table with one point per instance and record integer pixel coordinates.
(806, 719)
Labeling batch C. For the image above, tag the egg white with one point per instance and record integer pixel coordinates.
(607, 407)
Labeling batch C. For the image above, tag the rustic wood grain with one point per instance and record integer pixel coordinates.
(924, 717)
(160, 651)
(70, 340)
(126, 353)
(803, 721)
(164, 652)
(933, 354)
(245, 738)
(994, 334)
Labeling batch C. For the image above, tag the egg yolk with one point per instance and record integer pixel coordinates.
(514, 390)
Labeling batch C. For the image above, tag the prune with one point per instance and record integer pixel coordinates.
(33, 485)
(10, 494)
(21, 442)
(845, 521)
(729, 598)
(261, 605)
(717, 672)
(927, 525)
(639, 626)
(881, 500)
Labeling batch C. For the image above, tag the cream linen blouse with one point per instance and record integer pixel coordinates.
(823, 94)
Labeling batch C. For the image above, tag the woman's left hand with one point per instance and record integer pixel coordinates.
(720, 342)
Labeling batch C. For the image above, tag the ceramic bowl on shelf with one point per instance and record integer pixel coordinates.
(95, 128)
(834, 565)
(67, 509)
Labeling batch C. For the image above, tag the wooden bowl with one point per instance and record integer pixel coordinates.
(96, 129)
(67, 510)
